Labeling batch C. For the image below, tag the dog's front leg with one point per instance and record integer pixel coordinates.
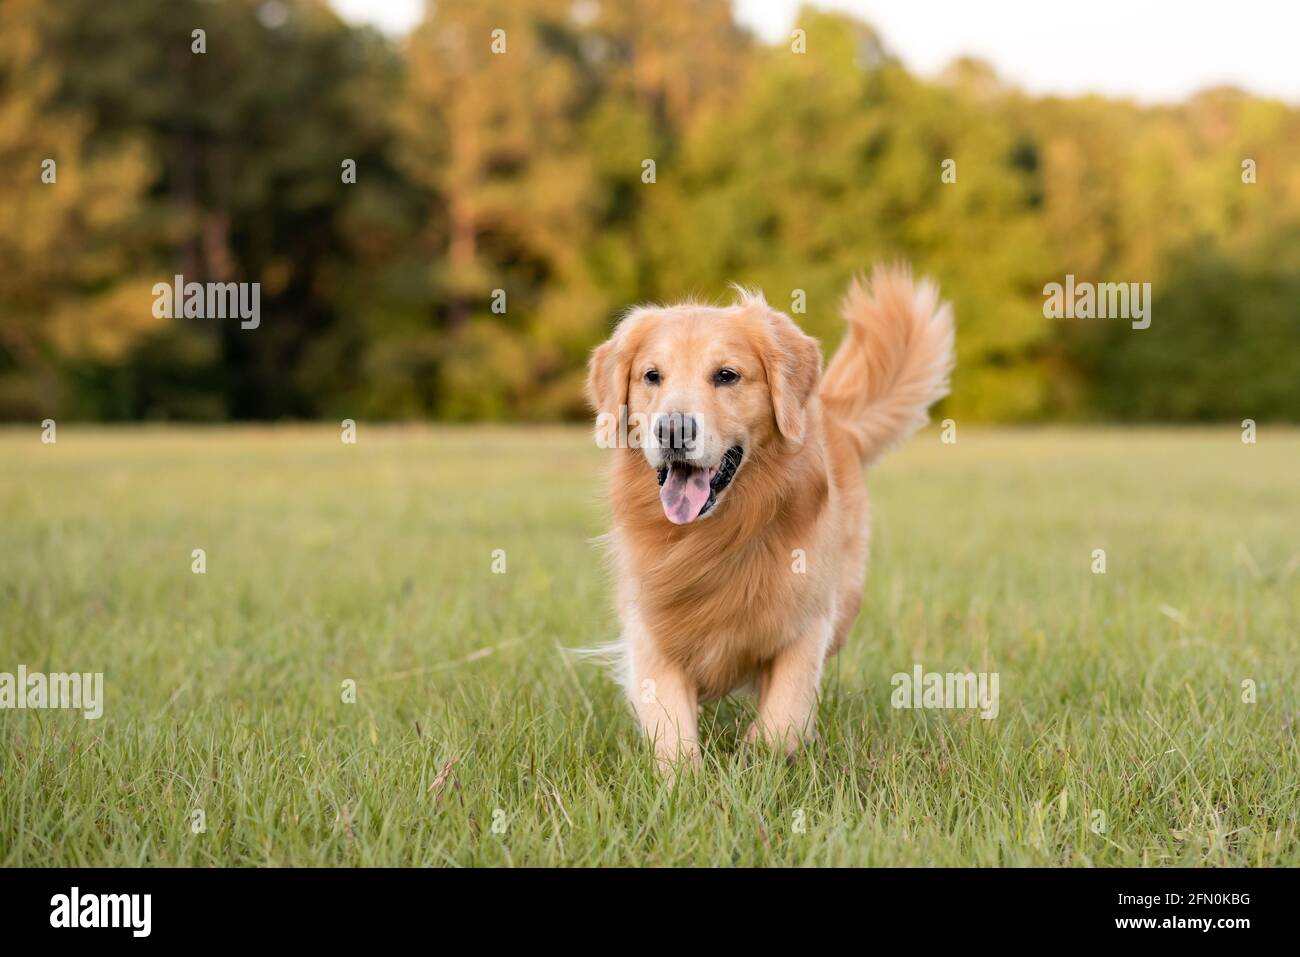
(788, 687)
(665, 700)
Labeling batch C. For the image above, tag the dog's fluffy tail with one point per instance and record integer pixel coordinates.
(894, 361)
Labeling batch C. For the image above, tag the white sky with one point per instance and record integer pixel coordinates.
(1149, 50)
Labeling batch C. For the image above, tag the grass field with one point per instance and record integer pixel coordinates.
(474, 740)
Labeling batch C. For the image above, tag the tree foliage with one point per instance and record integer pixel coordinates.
(502, 213)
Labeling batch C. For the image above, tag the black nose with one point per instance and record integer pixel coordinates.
(675, 430)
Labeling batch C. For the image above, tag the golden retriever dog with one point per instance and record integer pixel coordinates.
(740, 517)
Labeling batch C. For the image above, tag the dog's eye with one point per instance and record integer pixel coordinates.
(652, 377)
(726, 377)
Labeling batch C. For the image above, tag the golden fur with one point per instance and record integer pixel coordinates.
(764, 587)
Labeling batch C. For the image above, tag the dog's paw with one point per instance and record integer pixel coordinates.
(673, 763)
(787, 740)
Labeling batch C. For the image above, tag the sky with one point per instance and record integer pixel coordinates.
(1146, 50)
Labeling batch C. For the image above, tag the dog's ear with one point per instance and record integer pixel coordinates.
(794, 367)
(607, 382)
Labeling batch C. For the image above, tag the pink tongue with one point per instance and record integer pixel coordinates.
(684, 493)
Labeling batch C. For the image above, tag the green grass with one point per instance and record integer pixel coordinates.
(1120, 693)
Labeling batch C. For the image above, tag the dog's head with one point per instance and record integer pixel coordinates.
(695, 388)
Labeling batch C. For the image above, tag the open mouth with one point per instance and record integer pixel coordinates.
(689, 491)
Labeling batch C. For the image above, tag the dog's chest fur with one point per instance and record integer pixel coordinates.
(721, 598)
(723, 625)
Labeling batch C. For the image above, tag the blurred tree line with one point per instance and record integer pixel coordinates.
(500, 216)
